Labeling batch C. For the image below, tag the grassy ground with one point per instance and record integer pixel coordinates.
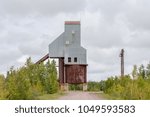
(103, 96)
(108, 97)
(51, 96)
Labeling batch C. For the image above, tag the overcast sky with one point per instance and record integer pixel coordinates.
(28, 26)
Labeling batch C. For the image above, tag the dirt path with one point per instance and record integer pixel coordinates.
(80, 95)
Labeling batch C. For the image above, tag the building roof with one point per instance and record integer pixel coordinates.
(72, 22)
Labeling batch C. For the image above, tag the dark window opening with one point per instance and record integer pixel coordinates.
(75, 59)
(69, 59)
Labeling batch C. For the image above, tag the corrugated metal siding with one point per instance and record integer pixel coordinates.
(68, 44)
(72, 34)
(56, 48)
(79, 53)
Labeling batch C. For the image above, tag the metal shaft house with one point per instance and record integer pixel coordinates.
(72, 56)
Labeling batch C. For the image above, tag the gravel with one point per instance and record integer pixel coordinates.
(81, 95)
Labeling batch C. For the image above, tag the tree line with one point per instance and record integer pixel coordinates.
(29, 81)
(33, 80)
(130, 87)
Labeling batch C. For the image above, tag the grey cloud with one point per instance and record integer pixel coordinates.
(33, 48)
(104, 35)
(136, 55)
(104, 55)
(28, 26)
(140, 39)
(138, 14)
(108, 8)
(43, 7)
(8, 54)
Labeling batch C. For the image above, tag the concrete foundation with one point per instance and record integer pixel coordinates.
(64, 87)
(85, 87)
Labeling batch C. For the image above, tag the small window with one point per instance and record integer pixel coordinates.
(75, 59)
(69, 59)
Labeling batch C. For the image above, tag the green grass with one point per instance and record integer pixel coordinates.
(51, 96)
(104, 96)
(109, 97)
(101, 95)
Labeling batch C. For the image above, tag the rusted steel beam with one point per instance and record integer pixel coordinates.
(42, 59)
(61, 70)
(122, 62)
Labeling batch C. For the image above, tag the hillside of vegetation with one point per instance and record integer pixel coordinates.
(29, 81)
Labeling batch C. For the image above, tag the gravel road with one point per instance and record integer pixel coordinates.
(80, 95)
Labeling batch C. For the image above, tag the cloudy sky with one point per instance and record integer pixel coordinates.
(28, 26)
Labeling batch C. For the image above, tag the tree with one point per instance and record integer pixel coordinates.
(3, 91)
(29, 81)
(134, 72)
(51, 81)
(102, 85)
(148, 71)
(18, 85)
(108, 84)
(93, 86)
(35, 74)
(142, 71)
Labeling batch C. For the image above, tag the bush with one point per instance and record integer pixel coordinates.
(29, 81)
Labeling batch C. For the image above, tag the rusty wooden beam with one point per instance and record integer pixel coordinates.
(42, 59)
(122, 62)
(61, 71)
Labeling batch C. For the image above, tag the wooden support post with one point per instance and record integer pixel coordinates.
(84, 86)
(61, 74)
(122, 62)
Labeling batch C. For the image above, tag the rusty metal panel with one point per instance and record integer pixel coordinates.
(75, 74)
